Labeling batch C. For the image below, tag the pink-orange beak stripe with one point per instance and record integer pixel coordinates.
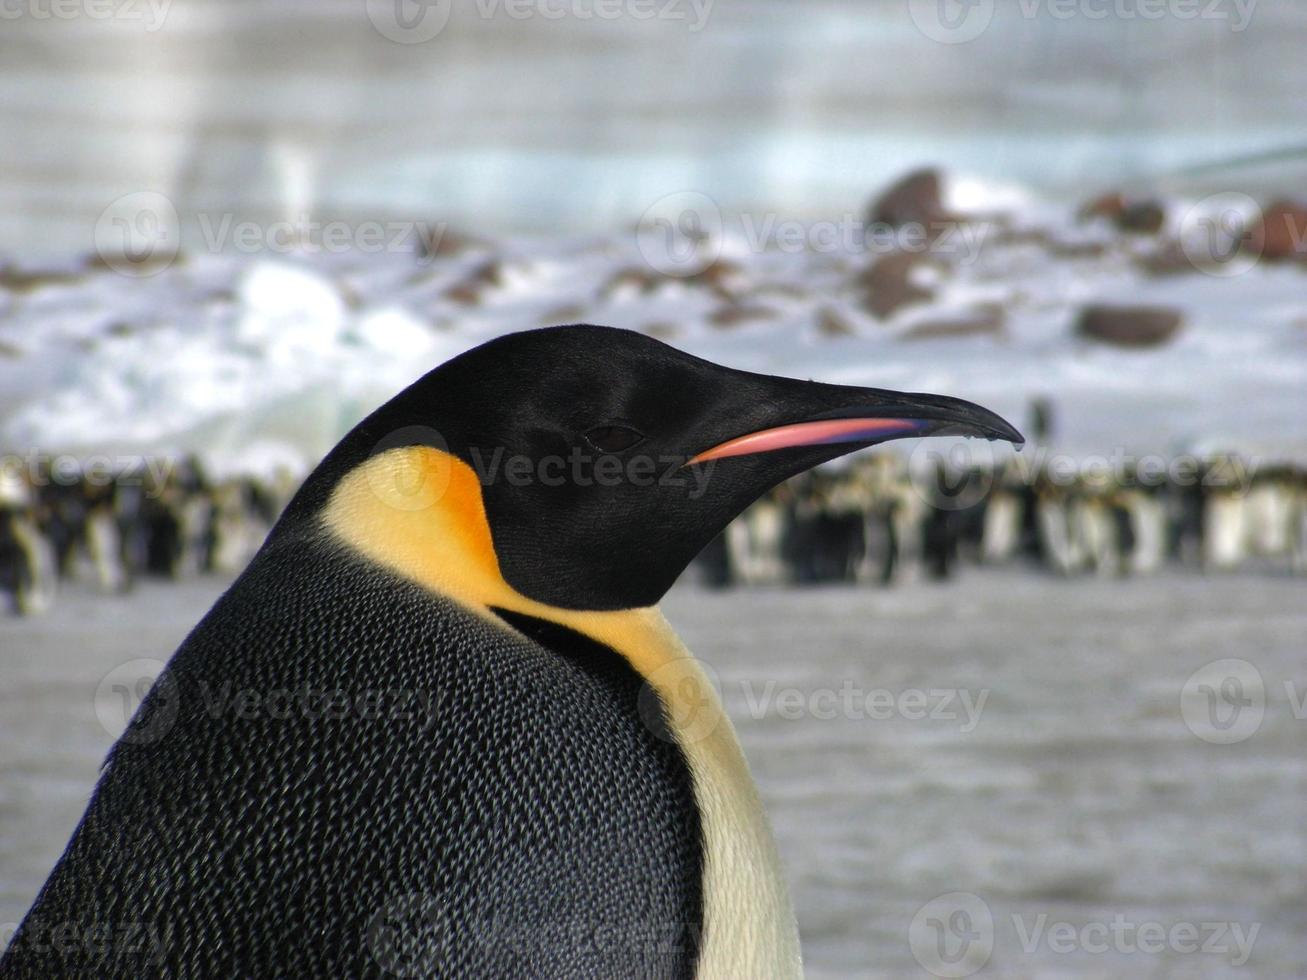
(819, 433)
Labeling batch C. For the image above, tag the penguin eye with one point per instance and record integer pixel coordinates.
(612, 438)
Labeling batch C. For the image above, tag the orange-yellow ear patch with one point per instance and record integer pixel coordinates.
(419, 511)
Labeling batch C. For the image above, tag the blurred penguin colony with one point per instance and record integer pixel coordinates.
(882, 519)
(161, 518)
(935, 278)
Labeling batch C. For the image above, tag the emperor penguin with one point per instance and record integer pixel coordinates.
(439, 727)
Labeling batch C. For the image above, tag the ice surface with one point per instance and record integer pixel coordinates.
(1078, 792)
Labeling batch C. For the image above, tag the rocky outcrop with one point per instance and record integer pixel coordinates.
(1129, 326)
(1144, 216)
(988, 320)
(888, 285)
(914, 199)
(1280, 232)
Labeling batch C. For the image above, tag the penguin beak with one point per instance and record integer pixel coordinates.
(882, 416)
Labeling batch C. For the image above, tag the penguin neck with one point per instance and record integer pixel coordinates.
(419, 512)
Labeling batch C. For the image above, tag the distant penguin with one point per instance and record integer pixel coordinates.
(28, 571)
(544, 783)
(755, 541)
(1225, 517)
(1000, 538)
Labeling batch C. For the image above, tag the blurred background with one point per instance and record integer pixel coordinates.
(1068, 684)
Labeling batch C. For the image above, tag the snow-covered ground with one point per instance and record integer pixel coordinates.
(270, 355)
(1039, 746)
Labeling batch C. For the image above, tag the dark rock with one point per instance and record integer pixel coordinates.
(785, 290)
(1042, 238)
(725, 278)
(567, 313)
(1169, 258)
(1076, 250)
(484, 276)
(914, 199)
(888, 285)
(984, 321)
(1142, 217)
(832, 323)
(469, 294)
(643, 281)
(17, 280)
(144, 266)
(489, 273)
(737, 313)
(439, 241)
(1280, 232)
(1129, 326)
(1107, 206)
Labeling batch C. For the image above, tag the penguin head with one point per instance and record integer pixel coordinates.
(606, 460)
